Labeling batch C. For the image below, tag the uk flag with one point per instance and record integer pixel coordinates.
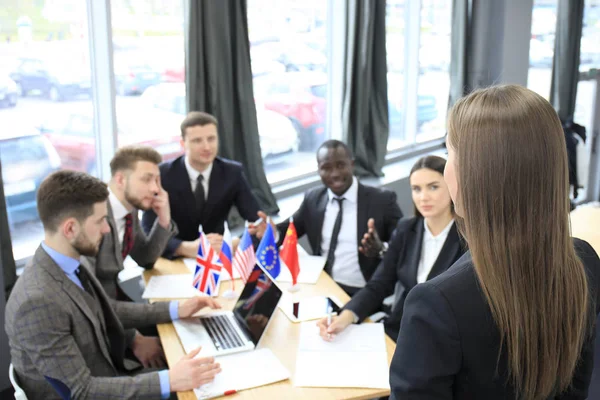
(208, 268)
(263, 283)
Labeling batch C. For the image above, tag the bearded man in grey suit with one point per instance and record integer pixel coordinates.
(67, 337)
(134, 185)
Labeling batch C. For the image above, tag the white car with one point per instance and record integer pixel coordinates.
(276, 132)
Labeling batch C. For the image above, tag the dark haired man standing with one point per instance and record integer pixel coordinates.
(202, 188)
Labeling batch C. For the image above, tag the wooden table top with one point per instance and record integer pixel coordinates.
(281, 338)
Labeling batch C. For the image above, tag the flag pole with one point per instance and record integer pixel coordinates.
(229, 293)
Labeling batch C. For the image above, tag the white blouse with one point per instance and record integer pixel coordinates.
(430, 250)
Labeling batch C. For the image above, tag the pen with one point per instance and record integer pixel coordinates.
(215, 395)
(257, 222)
(329, 310)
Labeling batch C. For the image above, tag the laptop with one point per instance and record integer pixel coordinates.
(226, 332)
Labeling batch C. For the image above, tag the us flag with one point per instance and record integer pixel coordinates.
(244, 258)
(208, 268)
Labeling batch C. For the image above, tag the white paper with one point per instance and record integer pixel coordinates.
(244, 370)
(310, 269)
(356, 358)
(191, 264)
(171, 287)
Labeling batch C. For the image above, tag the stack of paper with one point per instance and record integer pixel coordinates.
(245, 370)
(310, 269)
(356, 357)
(171, 287)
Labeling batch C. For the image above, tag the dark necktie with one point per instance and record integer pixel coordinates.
(127, 236)
(85, 280)
(334, 236)
(199, 194)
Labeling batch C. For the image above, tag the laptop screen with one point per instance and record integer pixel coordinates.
(256, 304)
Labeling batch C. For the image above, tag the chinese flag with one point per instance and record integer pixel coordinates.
(289, 251)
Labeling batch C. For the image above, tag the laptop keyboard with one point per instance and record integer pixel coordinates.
(222, 332)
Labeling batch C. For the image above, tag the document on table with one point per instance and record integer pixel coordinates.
(191, 264)
(245, 370)
(310, 269)
(356, 358)
(171, 287)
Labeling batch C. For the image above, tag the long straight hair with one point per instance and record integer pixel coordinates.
(511, 168)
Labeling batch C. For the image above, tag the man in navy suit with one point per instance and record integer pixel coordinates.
(202, 188)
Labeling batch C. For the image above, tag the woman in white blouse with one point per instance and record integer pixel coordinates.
(421, 248)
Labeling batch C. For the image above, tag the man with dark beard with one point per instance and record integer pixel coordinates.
(134, 185)
(67, 338)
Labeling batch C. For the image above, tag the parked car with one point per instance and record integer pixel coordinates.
(73, 137)
(293, 55)
(8, 91)
(57, 82)
(426, 112)
(27, 158)
(299, 96)
(167, 105)
(133, 79)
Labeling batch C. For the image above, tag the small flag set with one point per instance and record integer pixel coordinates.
(209, 264)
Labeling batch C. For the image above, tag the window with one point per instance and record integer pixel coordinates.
(40, 91)
(417, 90)
(434, 69)
(289, 65)
(149, 67)
(590, 37)
(541, 46)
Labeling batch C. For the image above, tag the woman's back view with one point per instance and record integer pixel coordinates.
(514, 317)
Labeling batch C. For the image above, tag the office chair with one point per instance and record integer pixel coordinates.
(19, 393)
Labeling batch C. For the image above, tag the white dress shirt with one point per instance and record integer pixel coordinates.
(430, 250)
(193, 174)
(119, 213)
(345, 269)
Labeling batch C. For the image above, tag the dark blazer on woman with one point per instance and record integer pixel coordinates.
(400, 265)
(448, 343)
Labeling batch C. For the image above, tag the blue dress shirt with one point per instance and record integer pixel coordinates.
(70, 267)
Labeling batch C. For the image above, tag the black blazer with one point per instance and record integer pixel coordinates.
(377, 203)
(399, 266)
(448, 327)
(227, 187)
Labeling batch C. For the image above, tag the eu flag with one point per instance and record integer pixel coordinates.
(267, 255)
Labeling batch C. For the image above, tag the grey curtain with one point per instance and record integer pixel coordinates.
(475, 39)
(365, 118)
(219, 81)
(565, 69)
(7, 261)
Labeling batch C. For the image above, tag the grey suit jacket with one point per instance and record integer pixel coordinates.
(146, 249)
(53, 332)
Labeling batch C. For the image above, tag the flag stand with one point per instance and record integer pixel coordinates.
(229, 294)
(294, 288)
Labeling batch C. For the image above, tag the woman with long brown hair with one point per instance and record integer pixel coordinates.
(515, 316)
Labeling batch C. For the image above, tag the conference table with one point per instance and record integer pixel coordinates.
(281, 338)
(585, 224)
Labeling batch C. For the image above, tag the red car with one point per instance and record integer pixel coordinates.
(300, 96)
(73, 138)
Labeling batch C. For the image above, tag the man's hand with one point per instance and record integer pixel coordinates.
(259, 229)
(216, 241)
(148, 351)
(192, 306)
(338, 324)
(371, 244)
(188, 249)
(191, 372)
(161, 207)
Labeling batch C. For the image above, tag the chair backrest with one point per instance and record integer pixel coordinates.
(19, 393)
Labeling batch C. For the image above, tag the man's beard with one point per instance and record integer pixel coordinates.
(137, 203)
(84, 246)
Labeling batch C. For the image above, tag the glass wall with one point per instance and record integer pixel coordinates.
(45, 96)
(395, 22)
(288, 50)
(149, 67)
(541, 46)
